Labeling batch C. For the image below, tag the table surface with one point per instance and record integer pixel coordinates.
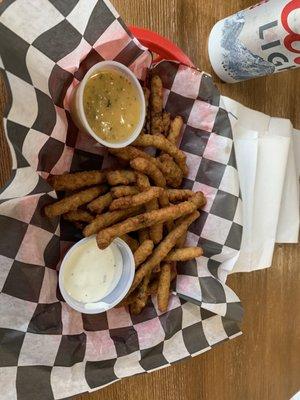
(264, 362)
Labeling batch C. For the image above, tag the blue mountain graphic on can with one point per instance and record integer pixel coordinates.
(239, 62)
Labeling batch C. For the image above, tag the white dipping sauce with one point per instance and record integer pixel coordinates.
(90, 273)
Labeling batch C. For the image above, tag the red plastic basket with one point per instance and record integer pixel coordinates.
(163, 47)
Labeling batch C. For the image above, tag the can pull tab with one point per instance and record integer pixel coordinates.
(96, 306)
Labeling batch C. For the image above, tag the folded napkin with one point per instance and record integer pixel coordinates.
(268, 160)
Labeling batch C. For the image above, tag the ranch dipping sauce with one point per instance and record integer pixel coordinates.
(111, 105)
(90, 273)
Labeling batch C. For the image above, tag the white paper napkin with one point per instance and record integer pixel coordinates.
(266, 150)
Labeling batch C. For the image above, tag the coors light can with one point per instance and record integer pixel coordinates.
(261, 40)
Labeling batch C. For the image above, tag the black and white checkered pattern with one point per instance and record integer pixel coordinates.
(208, 145)
(49, 351)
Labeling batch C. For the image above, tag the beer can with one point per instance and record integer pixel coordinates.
(261, 40)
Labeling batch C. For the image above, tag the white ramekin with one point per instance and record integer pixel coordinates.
(77, 110)
(119, 288)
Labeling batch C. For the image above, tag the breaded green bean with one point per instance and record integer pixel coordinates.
(77, 180)
(72, 202)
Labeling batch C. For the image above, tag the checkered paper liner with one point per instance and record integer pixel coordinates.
(48, 350)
